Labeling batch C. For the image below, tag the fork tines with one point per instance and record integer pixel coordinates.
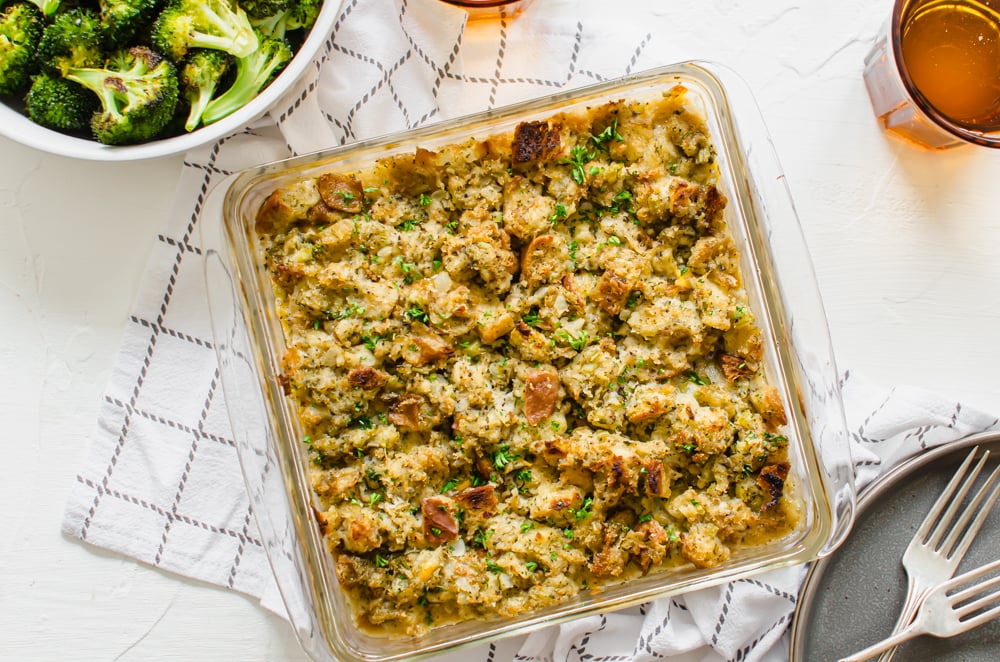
(961, 533)
(972, 604)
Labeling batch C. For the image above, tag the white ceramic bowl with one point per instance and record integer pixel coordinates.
(17, 127)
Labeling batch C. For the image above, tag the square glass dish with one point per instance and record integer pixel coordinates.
(780, 290)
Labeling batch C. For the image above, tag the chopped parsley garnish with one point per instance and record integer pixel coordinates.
(775, 439)
(502, 456)
(417, 314)
(531, 566)
(351, 310)
(492, 566)
(610, 133)
(645, 517)
(573, 247)
(424, 200)
(450, 485)
(560, 213)
(578, 157)
(371, 341)
(363, 422)
(381, 561)
(584, 511)
(526, 526)
(531, 318)
(480, 537)
(695, 378)
(577, 342)
(409, 224)
(410, 271)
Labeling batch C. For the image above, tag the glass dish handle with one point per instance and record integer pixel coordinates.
(792, 285)
(255, 447)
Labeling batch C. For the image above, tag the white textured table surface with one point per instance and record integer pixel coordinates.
(906, 245)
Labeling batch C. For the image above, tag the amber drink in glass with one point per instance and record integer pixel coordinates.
(933, 75)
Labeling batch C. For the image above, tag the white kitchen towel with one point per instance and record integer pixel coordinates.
(162, 483)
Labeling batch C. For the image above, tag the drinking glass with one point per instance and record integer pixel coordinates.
(933, 75)
(490, 8)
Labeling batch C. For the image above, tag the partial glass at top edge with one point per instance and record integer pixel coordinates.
(800, 362)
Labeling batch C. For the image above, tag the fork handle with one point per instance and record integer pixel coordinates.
(891, 642)
(914, 596)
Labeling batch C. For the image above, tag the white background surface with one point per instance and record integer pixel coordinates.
(906, 245)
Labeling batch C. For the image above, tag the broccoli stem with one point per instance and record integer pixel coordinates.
(253, 73)
(96, 81)
(240, 43)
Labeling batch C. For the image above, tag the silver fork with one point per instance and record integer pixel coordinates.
(941, 542)
(944, 613)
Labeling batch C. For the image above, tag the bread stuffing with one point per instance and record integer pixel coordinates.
(525, 366)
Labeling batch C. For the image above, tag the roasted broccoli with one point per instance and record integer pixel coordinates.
(122, 20)
(138, 91)
(200, 77)
(295, 15)
(253, 73)
(60, 104)
(129, 71)
(257, 9)
(20, 30)
(217, 24)
(71, 41)
(303, 14)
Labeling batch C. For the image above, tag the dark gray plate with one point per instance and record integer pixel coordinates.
(851, 599)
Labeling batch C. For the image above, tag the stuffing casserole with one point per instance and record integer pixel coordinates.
(525, 365)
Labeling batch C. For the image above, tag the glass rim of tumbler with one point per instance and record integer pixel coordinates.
(918, 98)
(476, 4)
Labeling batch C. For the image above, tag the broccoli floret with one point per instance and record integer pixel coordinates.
(121, 20)
(273, 26)
(71, 41)
(297, 14)
(47, 7)
(60, 104)
(200, 77)
(217, 24)
(138, 91)
(259, 9)
(253, 73)
(20, 30)
(303, 14)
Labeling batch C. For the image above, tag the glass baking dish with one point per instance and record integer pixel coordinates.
(782, 292)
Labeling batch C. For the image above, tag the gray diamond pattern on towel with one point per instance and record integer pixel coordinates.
(162, 483)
